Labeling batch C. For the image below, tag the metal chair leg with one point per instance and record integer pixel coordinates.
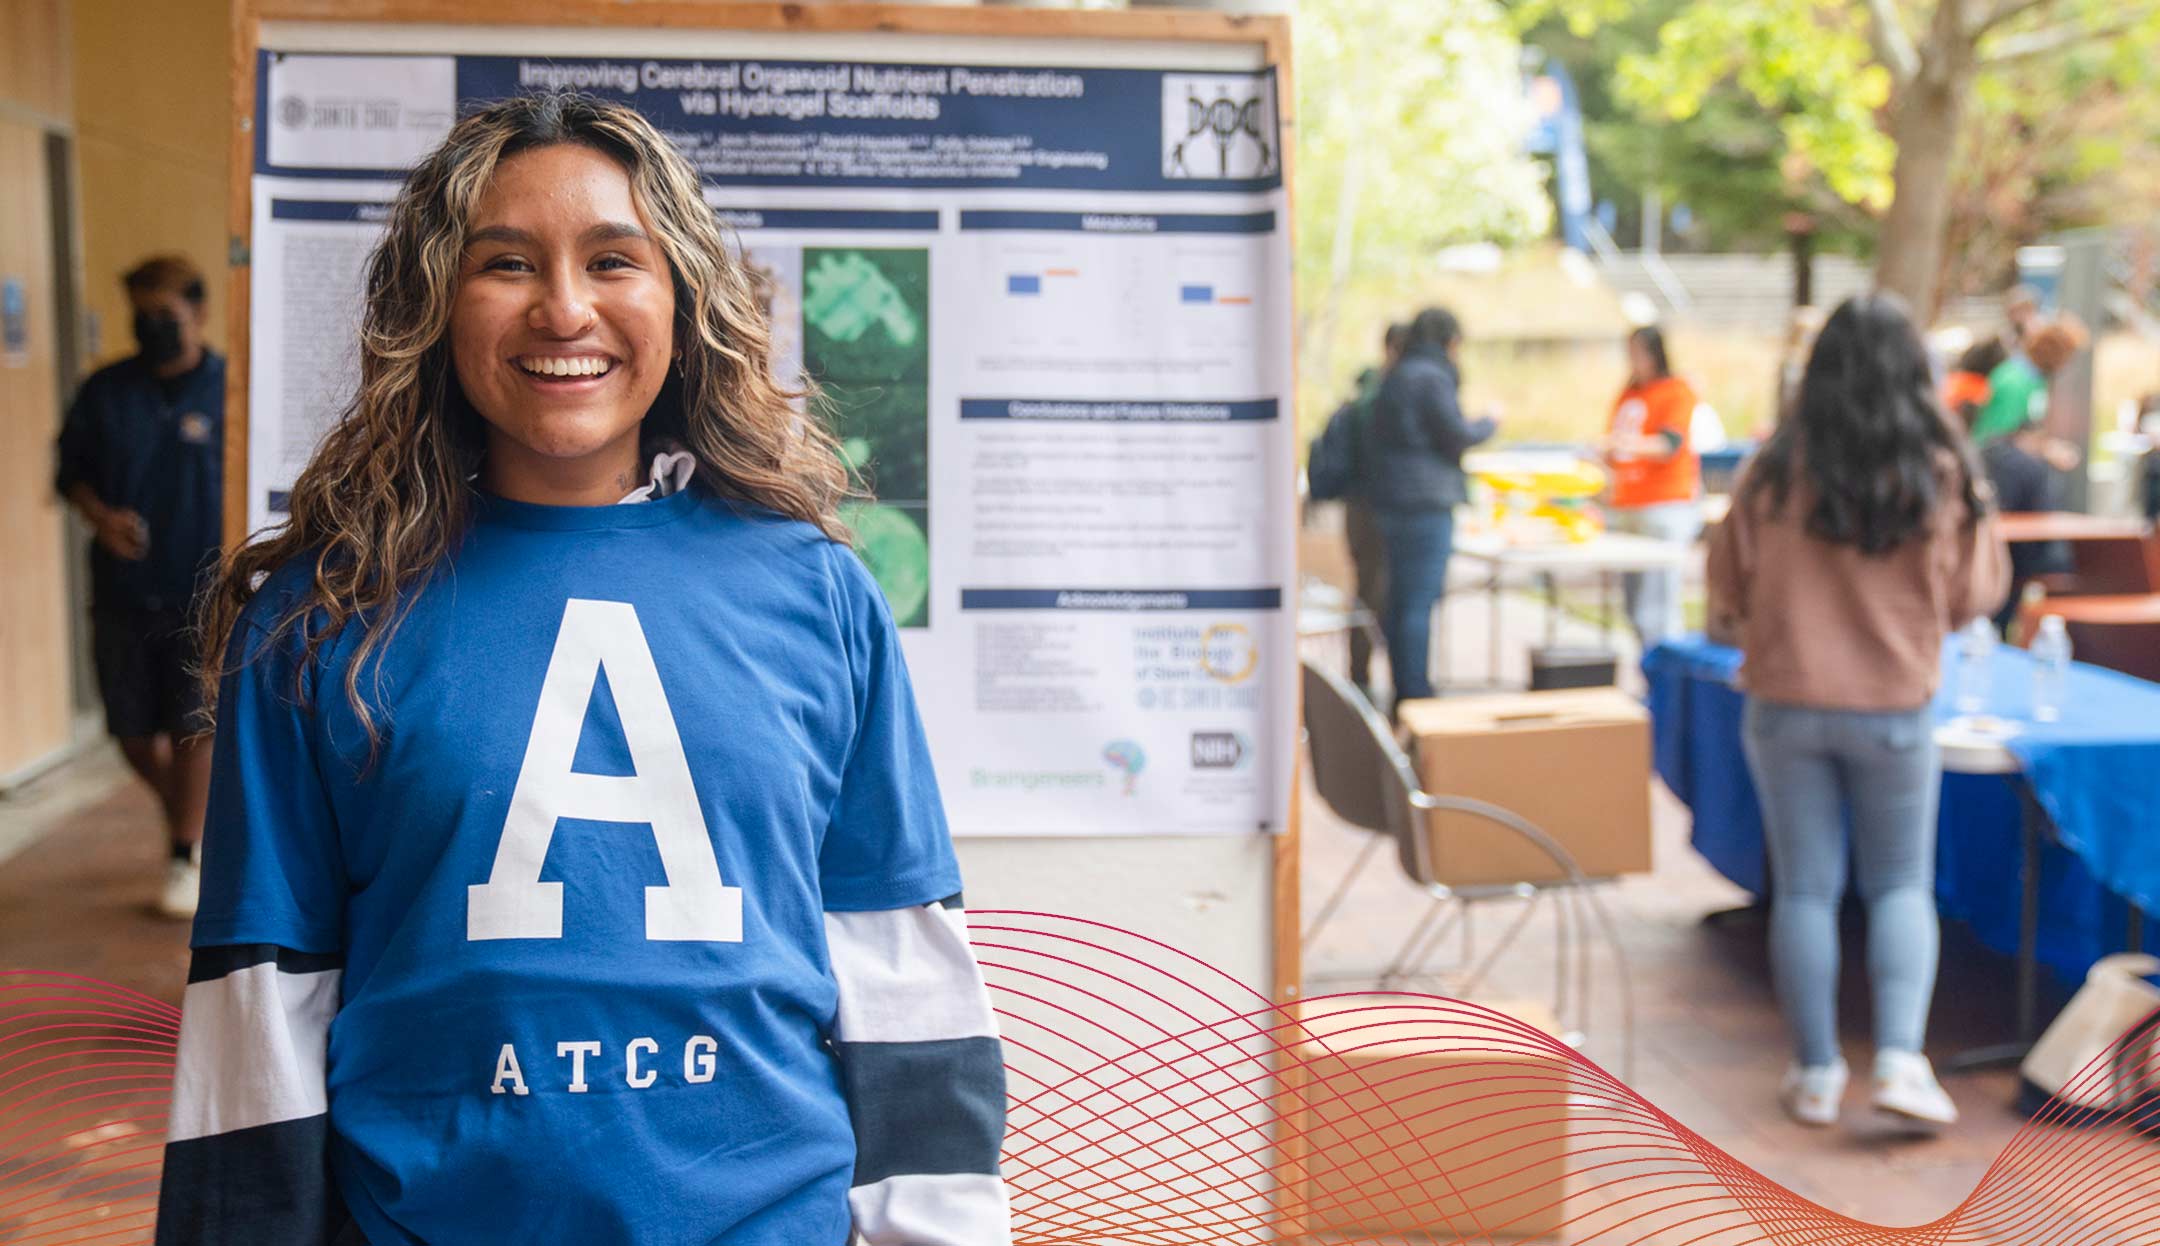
(1500, 945)
(1563, 928)
(1415, 942)
(1622, 978)
(1342, 889)
(1417, 965)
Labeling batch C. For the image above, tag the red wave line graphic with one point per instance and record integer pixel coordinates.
(1156, 1101)
(85, 1076)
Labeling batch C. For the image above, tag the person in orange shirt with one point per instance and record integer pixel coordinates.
(1656, 477)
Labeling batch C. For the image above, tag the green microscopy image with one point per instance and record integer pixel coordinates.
(866, 341)
(866, 314)
(882, 429)
(895, 546)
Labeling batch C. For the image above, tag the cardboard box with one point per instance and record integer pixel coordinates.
(1432, 1120)
(1574, 762)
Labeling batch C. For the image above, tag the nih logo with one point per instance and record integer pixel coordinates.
(1217, 750)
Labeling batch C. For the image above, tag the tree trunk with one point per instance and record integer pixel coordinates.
(1924, 121)
(1801, 233)
(1319, 338)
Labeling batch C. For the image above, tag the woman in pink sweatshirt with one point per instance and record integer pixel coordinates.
(1860, 536)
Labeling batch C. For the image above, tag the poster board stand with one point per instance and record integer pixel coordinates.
(1249, 916)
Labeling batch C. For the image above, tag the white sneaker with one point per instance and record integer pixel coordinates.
(1811, 1094)
(1905, 1087)
(183, 888)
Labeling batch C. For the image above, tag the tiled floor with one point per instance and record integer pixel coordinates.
(1710, 1043)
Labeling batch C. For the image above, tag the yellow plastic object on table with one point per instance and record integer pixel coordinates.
(1534, 504)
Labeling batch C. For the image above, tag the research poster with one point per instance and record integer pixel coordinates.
(1047, 309)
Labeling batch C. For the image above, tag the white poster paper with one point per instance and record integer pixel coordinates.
(1048, 310)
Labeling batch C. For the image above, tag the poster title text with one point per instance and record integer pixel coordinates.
(795, 91)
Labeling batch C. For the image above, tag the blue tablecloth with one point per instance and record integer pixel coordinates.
(2096, 773)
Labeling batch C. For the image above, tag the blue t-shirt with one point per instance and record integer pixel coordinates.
(155, 447)
(628, 757)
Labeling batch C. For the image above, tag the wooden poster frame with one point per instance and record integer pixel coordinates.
(1270, 33)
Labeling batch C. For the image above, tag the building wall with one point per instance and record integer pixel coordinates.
(36, 711)
(33, 57)
(152, 98)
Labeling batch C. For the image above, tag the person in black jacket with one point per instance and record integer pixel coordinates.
(2149, 466)
(2025, 481)
(1368, 550)
(1414, 481)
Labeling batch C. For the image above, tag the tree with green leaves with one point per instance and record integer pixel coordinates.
(1873, 96)
(1727, 160)
(1410, 138)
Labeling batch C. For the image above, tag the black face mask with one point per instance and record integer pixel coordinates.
(158, 334)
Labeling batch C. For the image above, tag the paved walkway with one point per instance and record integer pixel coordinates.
(76, 897)
(1710, 1044)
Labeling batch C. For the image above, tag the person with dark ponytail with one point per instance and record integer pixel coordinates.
(1860, 536)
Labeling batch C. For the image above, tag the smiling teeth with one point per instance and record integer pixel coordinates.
(551, 366)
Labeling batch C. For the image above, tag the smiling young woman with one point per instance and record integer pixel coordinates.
(563, 326)
(572, 833)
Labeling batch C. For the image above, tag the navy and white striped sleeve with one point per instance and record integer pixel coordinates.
(246, 1158)
(246, 1139)
(924, 1077)
(916, 1043)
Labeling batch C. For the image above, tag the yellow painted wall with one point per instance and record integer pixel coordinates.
(36, 713)
(33, 57)
(152, 98)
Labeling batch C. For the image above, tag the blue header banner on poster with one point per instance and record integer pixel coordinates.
(823, 219)
(1122, 222)
(804, 123)
(340, 211)
(1118, 599)
(1090, 410)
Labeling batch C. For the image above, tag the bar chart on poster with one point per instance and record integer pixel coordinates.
(1092, 300)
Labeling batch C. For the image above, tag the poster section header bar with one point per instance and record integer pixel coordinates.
(1122, 222)
(336, 211)
(1121, 600)
(803, 123)
(1116, 411)
(828, 219)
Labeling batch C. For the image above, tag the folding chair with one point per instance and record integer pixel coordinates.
(1367, 779)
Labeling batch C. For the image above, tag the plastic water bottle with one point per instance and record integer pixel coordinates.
(2051, 668)
(1976, 666)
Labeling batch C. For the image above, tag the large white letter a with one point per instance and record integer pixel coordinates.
(514, 903)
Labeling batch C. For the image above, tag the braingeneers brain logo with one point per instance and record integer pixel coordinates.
(1128, 759)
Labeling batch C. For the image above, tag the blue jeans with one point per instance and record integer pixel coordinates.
(1418, 545)
(1813, 768)
(1653, 597)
